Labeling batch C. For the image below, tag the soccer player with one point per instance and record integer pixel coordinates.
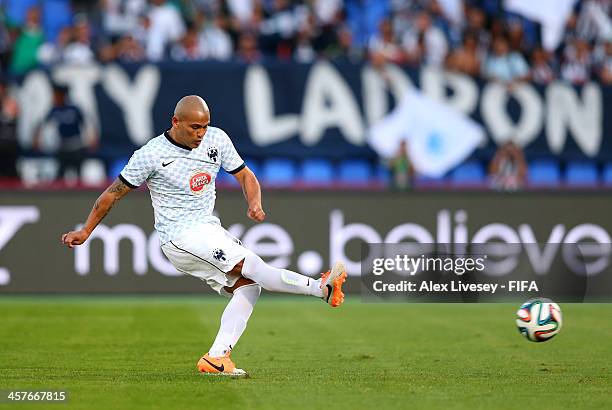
(180, 167)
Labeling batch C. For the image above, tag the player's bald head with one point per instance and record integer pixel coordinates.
(189, 106)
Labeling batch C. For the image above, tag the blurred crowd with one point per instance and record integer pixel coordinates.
(480, 38)
(475, 37)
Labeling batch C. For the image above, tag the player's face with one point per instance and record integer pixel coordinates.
(192, 128)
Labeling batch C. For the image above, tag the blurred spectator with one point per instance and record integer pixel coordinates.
(74, 134)
(121, 17)
(466, 59)
(605, 71)
(128, 50)
(242, 11)
(522, 33)
(279, 30)
(244, 16)
(542, 71)
(401, 169)
(26, 46)
(503, 65)
(304, 50)
(189, 48)
(165, 27)
(214, 40)
(342, 50)
(508, 169)
(476, 21)
(79, 49)
(9, 147)
(248, 51)
(326, 11)
(515, 35)
(52, 52)
(577, 65)
(385, 44)
(427, 43)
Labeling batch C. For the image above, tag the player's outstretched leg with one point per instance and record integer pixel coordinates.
(328, 288)
(233, 323)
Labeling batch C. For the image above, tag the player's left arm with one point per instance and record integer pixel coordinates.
(252, 193)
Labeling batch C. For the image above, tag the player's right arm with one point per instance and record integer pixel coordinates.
(117, 190)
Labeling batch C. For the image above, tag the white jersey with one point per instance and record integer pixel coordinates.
(182, 180)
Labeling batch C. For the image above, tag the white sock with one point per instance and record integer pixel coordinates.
(234, 319)
(279, 280)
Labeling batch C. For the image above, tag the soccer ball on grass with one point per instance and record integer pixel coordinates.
(539, 319)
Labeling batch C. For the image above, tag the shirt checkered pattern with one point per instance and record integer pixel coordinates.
(182, 181)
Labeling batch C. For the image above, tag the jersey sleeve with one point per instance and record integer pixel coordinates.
(138, 169)
(230, 159)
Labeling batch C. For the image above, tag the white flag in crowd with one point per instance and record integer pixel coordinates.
(439, 138)
(551, 14)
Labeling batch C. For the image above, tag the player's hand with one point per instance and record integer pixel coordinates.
(73, 238)
(256, 213)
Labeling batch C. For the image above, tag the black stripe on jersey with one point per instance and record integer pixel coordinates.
(240, 168)
(167, 135)
(193, 254)
(198, 160)
(126, 182)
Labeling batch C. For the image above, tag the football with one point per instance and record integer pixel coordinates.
(539, 319)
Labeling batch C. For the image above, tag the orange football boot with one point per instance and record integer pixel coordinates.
(333, 280)
(222, 366)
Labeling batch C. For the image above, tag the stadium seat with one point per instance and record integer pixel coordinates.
(278, 171)
(226, 178)
(317, 171)
(36, 170)
(425, 181)
(383, 174)
(93, 172)
(581, 174)
(544, 172)
(470, 172)
(607, 174)
(355, 172)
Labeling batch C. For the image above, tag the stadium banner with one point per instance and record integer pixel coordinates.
(305, 110)
(305, 231)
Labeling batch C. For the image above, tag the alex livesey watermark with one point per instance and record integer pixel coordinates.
(485, 272)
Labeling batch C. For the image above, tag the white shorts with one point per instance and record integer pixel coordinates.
(207, 251)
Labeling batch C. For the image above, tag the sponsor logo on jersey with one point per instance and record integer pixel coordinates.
(198, 181)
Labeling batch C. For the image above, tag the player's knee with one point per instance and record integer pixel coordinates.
(252, 264)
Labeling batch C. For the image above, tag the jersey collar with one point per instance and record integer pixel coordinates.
(173, 142)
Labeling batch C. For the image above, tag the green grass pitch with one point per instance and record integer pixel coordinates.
(140, 353)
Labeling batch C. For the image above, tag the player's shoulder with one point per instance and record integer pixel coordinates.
(218, 134)
(153, 147)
